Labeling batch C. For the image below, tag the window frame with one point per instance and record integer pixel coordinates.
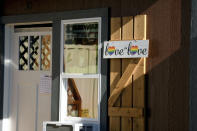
(63, 75)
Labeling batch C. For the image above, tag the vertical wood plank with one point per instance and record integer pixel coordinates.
(115, 70)
(138, 97)
(140, 27)
(127, 34)
(138, 77)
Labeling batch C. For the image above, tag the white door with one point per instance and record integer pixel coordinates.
(29, 104)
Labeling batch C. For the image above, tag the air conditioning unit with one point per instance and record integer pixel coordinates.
(62, 126)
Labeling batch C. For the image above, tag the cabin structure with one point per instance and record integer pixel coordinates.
(54, 74)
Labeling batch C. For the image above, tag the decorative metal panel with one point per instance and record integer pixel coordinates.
(34, 53)
(23, 53)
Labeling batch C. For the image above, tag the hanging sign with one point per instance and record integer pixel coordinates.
(126, 49)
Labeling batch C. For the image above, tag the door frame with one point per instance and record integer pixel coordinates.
(56, 18)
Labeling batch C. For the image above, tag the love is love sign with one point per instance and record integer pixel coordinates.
(126, 49)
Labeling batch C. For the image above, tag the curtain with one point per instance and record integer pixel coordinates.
(80, 59)
(88, 90)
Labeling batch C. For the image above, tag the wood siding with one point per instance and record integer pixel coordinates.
(168, 27)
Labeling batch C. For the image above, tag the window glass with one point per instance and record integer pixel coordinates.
(81, 48)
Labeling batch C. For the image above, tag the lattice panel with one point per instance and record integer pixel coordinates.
(46, 52)
(23, 53)
(34, 53)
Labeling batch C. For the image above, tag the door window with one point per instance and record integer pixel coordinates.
(34, 51)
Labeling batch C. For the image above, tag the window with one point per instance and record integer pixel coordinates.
(80, 69)
(34, 51)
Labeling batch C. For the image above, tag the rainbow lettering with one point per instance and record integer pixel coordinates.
(111, 50)
(134, 49)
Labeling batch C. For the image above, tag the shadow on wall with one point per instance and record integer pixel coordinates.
(167, 78)
(167, 93)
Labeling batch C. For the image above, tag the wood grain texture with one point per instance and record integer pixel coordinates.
(124, 81)
(115, 71)
(115, 28)
(127, 28)
(138, 97)
(138, 76)
(127, 97)
(125, 112)
(122, 84)
(140, 27)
